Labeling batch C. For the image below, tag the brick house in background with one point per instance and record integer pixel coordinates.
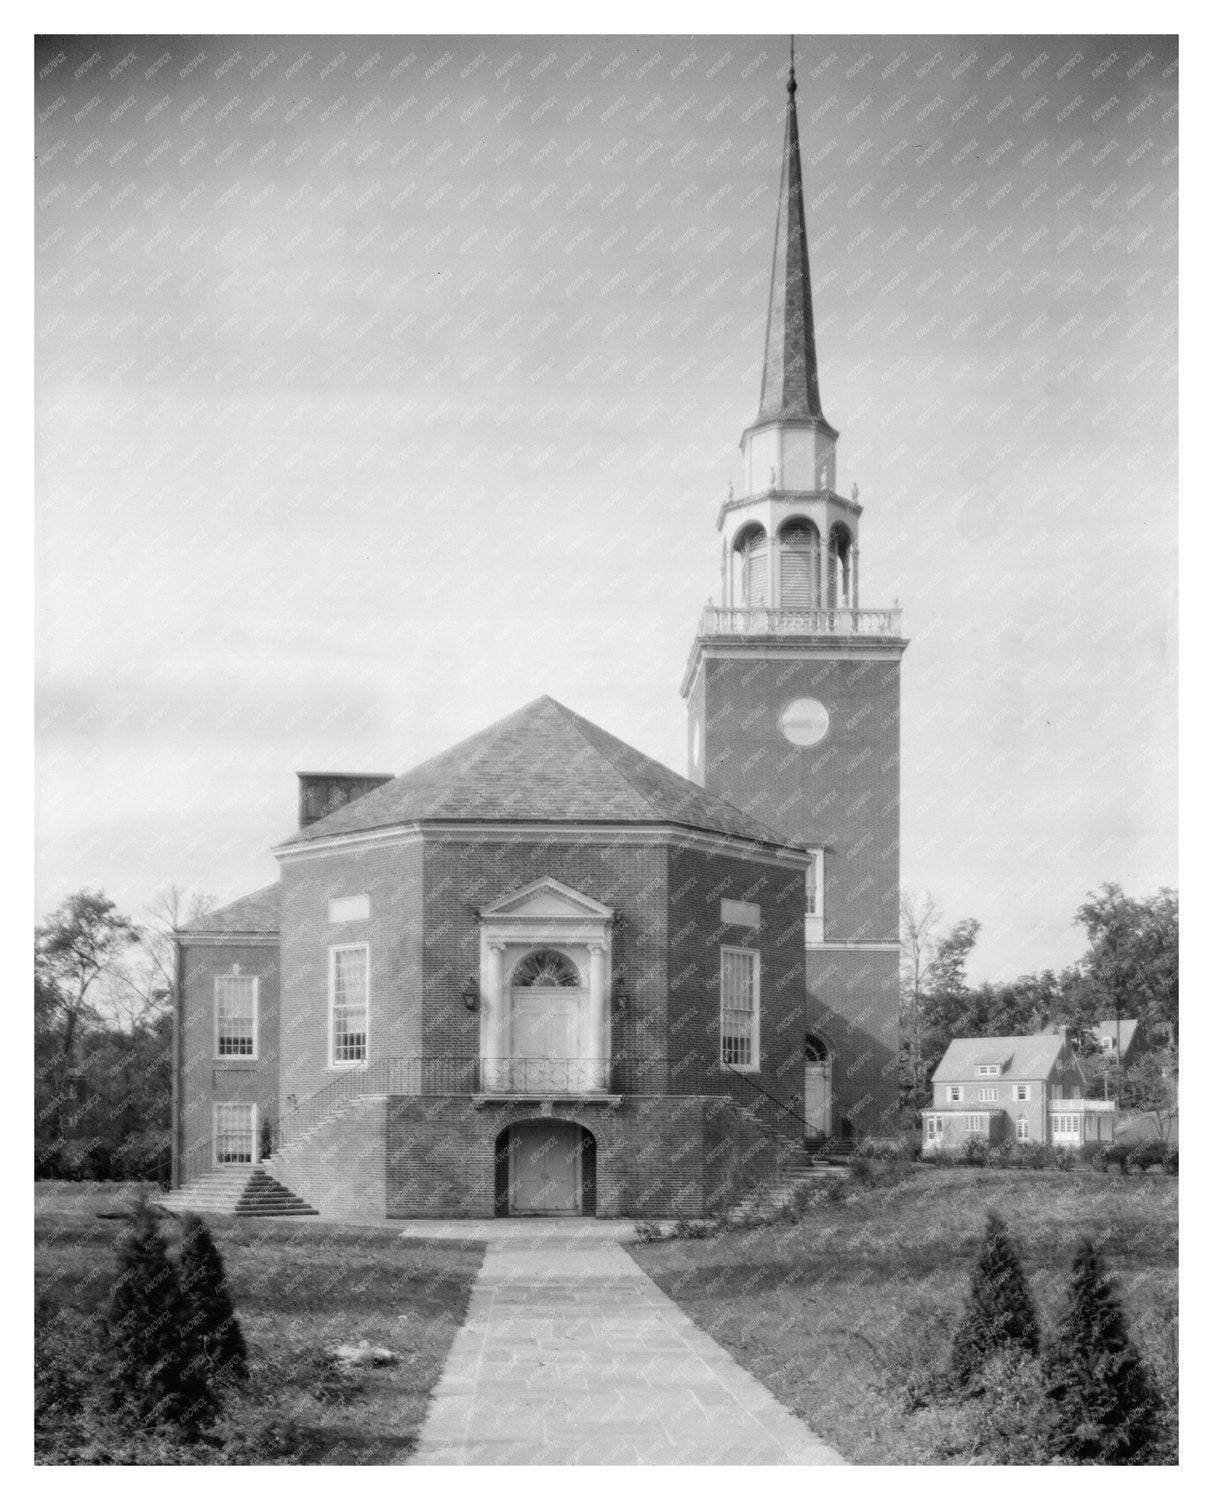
(542, 972)
(998, 1089)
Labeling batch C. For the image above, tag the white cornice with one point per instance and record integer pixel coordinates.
(833, 648)
(211, 939)
(852, 947)
(632, 835)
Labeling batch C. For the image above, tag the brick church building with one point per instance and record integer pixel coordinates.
(542, 973)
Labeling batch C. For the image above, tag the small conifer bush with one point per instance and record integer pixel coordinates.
(1105, 1408)
(210, 1317)
(1000, 1314)
(153, 1378)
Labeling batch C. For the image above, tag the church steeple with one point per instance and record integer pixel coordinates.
(789, 371)
(790, 447)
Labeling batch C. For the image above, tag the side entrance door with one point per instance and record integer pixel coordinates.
(817, 1088)
(545, 1166)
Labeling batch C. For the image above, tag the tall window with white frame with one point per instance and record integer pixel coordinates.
(739, 1007)
(349, 972)
(236, 1015)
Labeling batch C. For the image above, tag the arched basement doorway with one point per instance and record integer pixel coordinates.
(818, 1087)
(547, 1168)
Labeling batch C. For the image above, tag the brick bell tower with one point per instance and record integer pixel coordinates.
(793, 698)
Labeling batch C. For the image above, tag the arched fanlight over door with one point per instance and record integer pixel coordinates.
(546, 969)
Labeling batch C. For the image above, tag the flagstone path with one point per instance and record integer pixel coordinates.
(570, 1354)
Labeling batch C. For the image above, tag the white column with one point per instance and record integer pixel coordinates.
(597, 1015)
(854, 577)
(772, 571)
(493, 1034)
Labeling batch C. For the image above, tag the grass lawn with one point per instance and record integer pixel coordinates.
(833, 1312)
(298, 1285)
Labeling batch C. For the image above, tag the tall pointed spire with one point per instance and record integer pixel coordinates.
(789, 371)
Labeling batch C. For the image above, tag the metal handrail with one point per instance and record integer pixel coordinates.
(511, 1077)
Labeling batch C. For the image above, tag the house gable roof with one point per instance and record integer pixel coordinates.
(1128, 1030)
(1023, 1057)
(542, 764)
(254, 913)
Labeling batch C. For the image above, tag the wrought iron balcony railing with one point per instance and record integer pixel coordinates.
(717, 620)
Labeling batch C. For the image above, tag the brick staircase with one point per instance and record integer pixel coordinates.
(248, 1192)
(795, 1169)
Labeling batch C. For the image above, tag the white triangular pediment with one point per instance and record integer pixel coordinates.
(547, 898)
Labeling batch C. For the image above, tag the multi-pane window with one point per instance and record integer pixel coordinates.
(235, 1134)
(955, 1093)
(1021, 1128)
(739, 1007)
(348, 972)
(989, 1070)
(235, 1015)
(1066, 1126)
(987, 1096)
(934, 1127)
(1023, 1091)
(975, 1124)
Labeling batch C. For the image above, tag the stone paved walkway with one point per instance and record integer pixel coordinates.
(570, 1354)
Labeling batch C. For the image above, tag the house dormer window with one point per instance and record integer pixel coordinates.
(989, 1070)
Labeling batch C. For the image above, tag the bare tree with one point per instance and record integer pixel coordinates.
(138, 990)
(920, 919)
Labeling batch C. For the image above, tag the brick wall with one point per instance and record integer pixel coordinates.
(391, 877)
(852, 1002)
(463, 875)
(698, 882)
(206, 1079)
(342, 1167)
(656, 1156)
(843, 792)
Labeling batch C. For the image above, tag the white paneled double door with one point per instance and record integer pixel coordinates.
(550, 1047)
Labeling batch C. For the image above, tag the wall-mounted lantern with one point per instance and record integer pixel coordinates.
(471, 992)
(620, 999)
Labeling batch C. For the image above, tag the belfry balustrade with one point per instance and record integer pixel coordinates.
(758, 620)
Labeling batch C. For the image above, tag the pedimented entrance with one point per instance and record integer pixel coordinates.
(546, 1167)
(545, 956)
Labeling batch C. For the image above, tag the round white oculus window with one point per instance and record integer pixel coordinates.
(804, 721)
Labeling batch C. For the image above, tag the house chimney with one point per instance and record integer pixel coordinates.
(323, 792)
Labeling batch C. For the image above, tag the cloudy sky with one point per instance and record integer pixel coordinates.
(386, 383)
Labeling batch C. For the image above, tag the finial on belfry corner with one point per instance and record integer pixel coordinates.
(791, 65)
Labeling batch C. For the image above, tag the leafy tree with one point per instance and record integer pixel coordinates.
(81, 941)
(210, 1314)
(1133, 961)
(1105, 1408)
(155, 1364)
(1000, 1314)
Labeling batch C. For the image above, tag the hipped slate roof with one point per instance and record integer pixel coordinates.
(1023, 1057)
(256, 913)
(542, 764)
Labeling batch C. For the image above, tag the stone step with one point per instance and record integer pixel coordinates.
(246, 1192)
